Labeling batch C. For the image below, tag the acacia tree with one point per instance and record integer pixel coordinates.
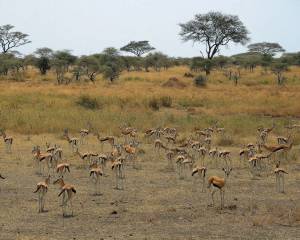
(11, 39)
(157, 61)
(61, 61)
(111, 63)
(266, 48)
(43, 61)
(215, 30)
(88, 65)
(279, 68)
(138, 48)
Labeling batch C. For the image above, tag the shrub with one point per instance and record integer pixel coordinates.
(88, 102)
(154, 104)
(166, 101)
(200, 81)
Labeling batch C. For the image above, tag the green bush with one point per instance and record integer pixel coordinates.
(88, 102)
(200, 81)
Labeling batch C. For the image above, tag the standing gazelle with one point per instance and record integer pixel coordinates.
(68, 191)
(279, 175)
(74, 142)
(83, 134)
(218, 183)
(42, 189)
(201, 173)
(95, 174)
(118, 168)
(7, 140)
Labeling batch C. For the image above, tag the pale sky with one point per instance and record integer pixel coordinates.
(89, 26)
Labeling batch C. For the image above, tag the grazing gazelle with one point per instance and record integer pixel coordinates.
(95, 174)
(218, 183)
(279, 175)
(7, 140)
(42, 189)
(68, 191)
(201, 173)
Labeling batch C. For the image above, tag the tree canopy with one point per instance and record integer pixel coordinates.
(138, 48)
(215, 30)
(266, 48)
(11, 39)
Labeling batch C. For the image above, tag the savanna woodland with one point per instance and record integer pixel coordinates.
(130, 143)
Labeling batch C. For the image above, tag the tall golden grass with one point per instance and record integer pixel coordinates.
(38, 105)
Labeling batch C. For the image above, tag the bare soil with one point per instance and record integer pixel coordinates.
(155, 203)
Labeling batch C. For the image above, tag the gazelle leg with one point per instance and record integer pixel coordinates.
(212, 196)
(203, 183)
(71, 205)
(117, 180)
(277, 183)
(222, 199)
(39, 202)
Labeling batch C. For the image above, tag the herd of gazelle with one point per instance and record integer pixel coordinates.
(197, 146)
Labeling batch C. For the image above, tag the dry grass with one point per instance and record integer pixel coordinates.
(37, 105)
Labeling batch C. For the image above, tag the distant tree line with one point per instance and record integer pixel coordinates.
(213, 31)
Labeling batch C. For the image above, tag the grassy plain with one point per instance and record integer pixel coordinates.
(37, 105)
(155, 204)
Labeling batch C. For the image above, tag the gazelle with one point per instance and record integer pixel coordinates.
(127, 131)
(131, 154)
(102, 140)
(118, 168)
(283, 140)
(87, 157)
(73, 142)
(158, 144)
(62, 168)
(225, 155)
(218, 183)
(279, 175)
(279, 148)
(42, 189)
(57, 154)
(102, 160)
(40, 158)
(201, 171)
(68, 191)
(83, 134)
(8, 140)
(95, 174)
(182, 161)
(170, 156)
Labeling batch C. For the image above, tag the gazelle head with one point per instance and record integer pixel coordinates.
(227, 170)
